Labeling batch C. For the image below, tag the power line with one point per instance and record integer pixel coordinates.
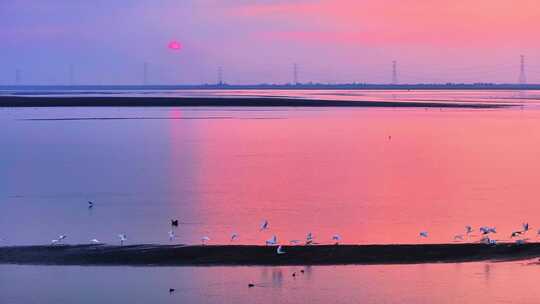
(522, 76)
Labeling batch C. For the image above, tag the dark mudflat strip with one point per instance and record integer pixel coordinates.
(108, 101)
(179, 255)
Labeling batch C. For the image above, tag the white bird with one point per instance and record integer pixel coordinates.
(234, 236)
(54, 242)
(264, 225)
(171, 235)
(336, 238)
(123, 238)
(95, 241)
(280, 250)
(205, 239)
(61, 237)
(488, 230)
(424, 234)
(272, 241)
(486, 240)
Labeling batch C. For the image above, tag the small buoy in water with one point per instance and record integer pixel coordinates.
(251, 285)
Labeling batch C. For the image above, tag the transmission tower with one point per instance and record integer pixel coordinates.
(220, 76)
(18, 76)
(145, 73)
(394, 72)
(295, 74)
(522, 76)
(71, 74)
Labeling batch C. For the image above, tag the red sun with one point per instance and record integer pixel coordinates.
(174, 45)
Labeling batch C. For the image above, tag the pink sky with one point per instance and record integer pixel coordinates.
(258, 41)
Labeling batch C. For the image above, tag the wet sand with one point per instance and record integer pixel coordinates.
(181, 255)
(107, 101)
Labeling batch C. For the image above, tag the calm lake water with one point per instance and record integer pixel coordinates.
(371, 175)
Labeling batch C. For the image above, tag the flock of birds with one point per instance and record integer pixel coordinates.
(486, 232)
(205, 239)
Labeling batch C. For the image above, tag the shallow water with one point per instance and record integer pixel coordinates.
(372, 175)
(430, 283)
(323, 171)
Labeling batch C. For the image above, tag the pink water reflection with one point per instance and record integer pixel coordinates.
(337, 171)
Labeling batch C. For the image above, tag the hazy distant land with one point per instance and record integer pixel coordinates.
(121, 101)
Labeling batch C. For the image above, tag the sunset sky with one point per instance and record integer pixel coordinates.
(258, 41)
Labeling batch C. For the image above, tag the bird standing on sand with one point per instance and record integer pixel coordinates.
(205, 239)
(424, 234)
(468, 230)
(280, 250)
(458, 237)
(123, 238)
(58, 240)
(264, 225)
(171, 235)
(272, 241)
(309, 239)
(525, 227)
(336, 238)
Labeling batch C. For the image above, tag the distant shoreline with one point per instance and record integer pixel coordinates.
(210, 255)
(117, 101)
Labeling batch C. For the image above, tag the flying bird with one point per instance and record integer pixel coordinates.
(174, 223)
(516, 234)
(90, 205)
(280, 250)
(264, 225)
(171, 290)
